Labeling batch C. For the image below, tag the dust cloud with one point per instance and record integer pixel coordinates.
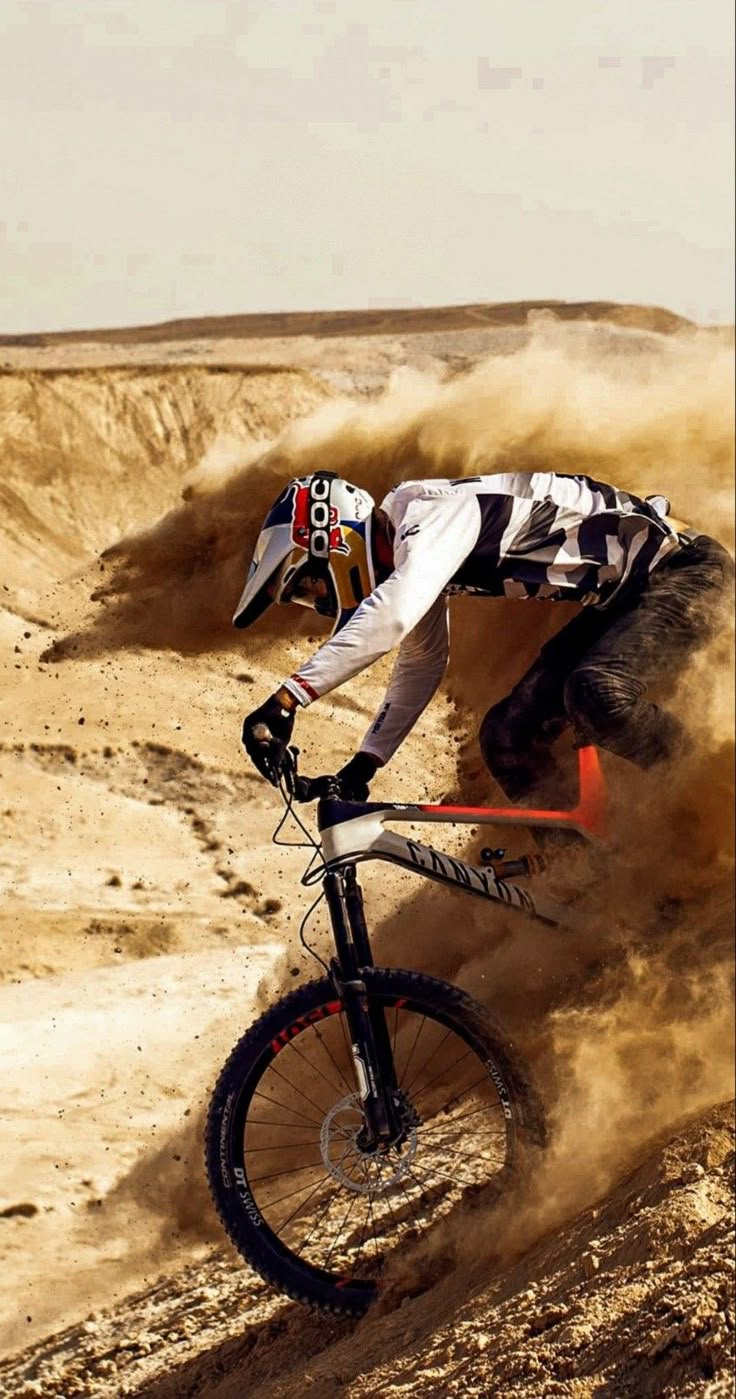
(649, 413)
(653, 1050)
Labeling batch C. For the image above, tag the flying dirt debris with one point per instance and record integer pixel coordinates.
(147, 916)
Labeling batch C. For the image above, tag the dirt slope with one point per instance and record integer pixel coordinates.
(146, 914)
(633, 1297)
(89, 456)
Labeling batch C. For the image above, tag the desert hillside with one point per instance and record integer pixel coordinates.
(400, 321)
(147, 916)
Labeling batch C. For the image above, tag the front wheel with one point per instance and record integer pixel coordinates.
(312, 1211)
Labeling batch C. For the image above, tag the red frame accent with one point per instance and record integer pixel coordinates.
(590, 812)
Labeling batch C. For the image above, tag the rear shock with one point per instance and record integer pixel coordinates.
(521, 868)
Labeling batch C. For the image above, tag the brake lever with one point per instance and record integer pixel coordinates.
(288, 771)
(299, 788)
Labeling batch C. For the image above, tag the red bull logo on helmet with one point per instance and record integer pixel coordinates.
(315, 524)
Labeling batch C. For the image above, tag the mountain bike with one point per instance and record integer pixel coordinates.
(365, 1106)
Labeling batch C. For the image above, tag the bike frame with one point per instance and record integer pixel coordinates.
(356, 831)
(353, 832)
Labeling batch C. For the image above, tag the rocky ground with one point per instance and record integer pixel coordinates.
(635, 1296)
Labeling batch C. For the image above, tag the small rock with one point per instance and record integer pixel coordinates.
(694, 1172)
(24, 1210)
(551, 1316)
(663, 1342)
(591, 1264)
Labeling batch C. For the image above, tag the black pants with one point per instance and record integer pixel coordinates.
(595, 673)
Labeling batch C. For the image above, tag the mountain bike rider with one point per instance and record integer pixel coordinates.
(649, 596)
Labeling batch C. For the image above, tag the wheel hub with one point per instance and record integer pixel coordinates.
(365, 1172)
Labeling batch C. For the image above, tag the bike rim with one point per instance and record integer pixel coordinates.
(329, 1208)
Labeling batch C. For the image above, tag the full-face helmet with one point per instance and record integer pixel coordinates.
(319, 529)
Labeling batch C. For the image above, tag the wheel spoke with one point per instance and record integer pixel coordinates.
(441, 1074)
(259, 1122)
(290, 1196)
(363, 1230)
(290, 1171)
(280, 1146)
(319, 1186)
(314, 1067)
(405, 1069)
(454, 1178)
(458, 1096)
(408, 1198)
(328, 1204)
(284, 1106)
(408, 1087)
(467, 1155)
(464, 1117)
(295, 1088)
(373, 1222)
(346, 1217)
(350, 1087)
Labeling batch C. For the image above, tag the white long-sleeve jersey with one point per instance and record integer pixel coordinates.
(516, 535)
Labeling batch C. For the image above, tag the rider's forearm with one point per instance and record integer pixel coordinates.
(382, 622)
(420, 666)
(396, 719)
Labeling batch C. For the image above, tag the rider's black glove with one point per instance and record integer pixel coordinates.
(266, 733)
(355, 776)
(350, 783)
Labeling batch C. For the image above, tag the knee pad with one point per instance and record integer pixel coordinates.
(596, 698)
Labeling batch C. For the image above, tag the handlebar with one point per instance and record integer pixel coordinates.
(306, 789)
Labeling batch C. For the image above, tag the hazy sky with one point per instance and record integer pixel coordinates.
(164, 158)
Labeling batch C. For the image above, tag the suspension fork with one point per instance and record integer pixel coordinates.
(370, 1039)
(361, 942)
